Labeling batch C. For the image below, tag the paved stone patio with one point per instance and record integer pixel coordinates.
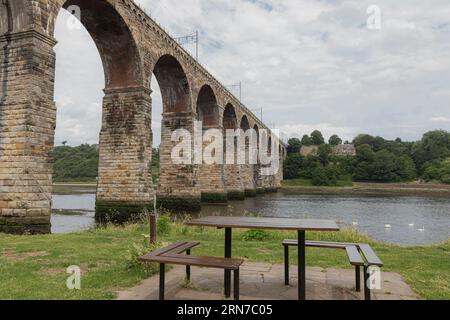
(261, 281)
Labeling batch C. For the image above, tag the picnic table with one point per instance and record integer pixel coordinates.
(299, 225)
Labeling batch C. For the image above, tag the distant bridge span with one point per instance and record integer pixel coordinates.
(132, 48)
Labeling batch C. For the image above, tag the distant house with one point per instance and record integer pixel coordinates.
(309, 150)
(344, 150)
(339, 150)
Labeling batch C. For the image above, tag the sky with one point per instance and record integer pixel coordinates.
(309, 64)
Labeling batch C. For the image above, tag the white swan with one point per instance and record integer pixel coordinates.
(387, 226)
(355, 223)
(421, 229)
(411, 225)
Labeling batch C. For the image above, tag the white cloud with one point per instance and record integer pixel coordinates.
(310, 64)
(440, 119)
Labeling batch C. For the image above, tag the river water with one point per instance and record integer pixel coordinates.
(412, 220)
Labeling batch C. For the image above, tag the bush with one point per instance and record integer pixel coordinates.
(138, 250)
(446, 179)
(163, 226)
(292, 166)
(326, 176)
(256, 235)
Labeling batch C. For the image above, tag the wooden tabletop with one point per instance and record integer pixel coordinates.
(266, 223)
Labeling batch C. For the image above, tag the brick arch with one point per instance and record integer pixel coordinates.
(174, 85)
(229, 117)
(245, 125)
(114, 40)
(207, 108)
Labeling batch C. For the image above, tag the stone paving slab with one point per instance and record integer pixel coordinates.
(262, 281)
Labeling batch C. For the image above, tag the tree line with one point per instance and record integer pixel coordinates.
(81, 163)
(376, 160)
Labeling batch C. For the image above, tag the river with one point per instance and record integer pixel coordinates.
(412, 220)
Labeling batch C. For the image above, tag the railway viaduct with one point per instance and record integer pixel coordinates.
(133, 48)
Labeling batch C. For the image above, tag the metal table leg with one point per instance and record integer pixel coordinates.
(227, 273)
(301, 266)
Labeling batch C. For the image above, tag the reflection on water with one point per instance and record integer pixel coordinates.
(405, 215)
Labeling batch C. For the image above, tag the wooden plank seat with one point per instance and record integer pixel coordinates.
(173, 254)
(359, 255)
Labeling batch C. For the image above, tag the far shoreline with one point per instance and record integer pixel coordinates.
(375, 189)
(358, 189)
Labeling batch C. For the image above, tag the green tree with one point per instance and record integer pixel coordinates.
(75, 163)
(435, 145)
(364, 153)
(335, 140)
(324, 153)
(383, 167)
(306, 141)
(294, 145)
(293, 165)
(375, 142)
(317, 138)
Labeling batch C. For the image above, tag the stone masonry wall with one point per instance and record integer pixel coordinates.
(177, 187)
(27, 123)
(125, 181)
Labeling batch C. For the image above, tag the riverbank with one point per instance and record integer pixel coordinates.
(75, 184)
(372, 189)
(34, 267)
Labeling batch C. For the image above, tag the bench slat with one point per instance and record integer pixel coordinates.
(183, 248)
(210, 262)
(170, 247)
(318, 244)
(369, 254)
(353, 256)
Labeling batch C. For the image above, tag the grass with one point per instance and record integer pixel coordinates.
(308, 183)
(33, 267)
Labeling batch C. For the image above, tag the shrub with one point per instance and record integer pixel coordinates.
(163, 226)
(256, 235)
(326, 176)
(138, 250)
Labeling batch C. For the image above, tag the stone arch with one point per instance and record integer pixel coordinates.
(114, 40)
(173, 83)
(229, 117)
(245, 125)
(125, 142)
(207, 108)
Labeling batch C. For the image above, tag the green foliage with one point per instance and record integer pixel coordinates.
(326, 175)
(435, 145)
(324, 153)
(376, 143)
(256, 235)
(306, 140)
(294, 146)
(137, 250)
(377, 159)
(317, 138)
(292, 165)
(163, 226)
(155, 165)
(335, 140)
(437, 171)
(75, 163)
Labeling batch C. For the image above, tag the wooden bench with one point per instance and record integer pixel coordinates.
(359, 255)
(173, 254)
